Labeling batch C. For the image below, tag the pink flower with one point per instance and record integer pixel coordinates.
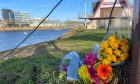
(90, 58)
(93, 75)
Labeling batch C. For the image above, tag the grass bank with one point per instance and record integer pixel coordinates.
(46, 57)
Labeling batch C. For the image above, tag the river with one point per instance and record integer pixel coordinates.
(10, 39)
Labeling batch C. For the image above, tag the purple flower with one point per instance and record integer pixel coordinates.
(93, 75)
(92, 72)
(90, 58)
(65, 67)
(97, 80)
(105, 81)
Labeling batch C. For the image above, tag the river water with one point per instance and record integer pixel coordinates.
(10, 39)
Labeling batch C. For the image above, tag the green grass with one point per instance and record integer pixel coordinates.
(47, 57)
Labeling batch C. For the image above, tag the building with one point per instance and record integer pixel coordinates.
(102, 10)
(22, 19)
(47, 23)
(1, 23)
(17, 19)
(35, 22)
(8, 17)
(74, 24)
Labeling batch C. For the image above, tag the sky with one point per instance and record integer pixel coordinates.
(67, 10)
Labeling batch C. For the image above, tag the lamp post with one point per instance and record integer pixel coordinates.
(85, 15)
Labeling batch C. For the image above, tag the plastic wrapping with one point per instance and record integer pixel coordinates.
(72, 67)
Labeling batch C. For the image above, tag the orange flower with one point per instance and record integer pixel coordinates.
(104, 71)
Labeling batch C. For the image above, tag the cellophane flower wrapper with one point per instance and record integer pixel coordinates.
(70, 65)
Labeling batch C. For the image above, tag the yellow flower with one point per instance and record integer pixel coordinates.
(123, 42)
(101, 57)
(84, 74)
(112, 38)
(62, 75)
(125, 48)
(109, 51)
(104, 54)
(114, 44)
(104, 45)
(106, 61)
(123, 57)
(117, 52)
(112, 58)
(100, 51)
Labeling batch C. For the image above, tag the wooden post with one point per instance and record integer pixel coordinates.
(134, 74)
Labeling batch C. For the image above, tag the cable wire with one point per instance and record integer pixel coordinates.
(33, 30)
(109, 23)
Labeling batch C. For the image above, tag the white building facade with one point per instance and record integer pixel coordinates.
(46, 23)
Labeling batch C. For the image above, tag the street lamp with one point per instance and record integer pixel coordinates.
(85, 13)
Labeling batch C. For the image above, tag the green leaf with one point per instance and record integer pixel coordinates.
(123, 36)
(116, 33)
(129, 41)
(101, 82)
(66, 61)
(96, 65)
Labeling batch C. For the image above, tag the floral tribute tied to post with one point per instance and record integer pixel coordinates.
(99, 69)
(98, 66)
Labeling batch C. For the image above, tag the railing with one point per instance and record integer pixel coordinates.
(82, 15)
(88, 15)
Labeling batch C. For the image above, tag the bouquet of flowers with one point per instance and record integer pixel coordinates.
(114, 50)
(93, 71)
